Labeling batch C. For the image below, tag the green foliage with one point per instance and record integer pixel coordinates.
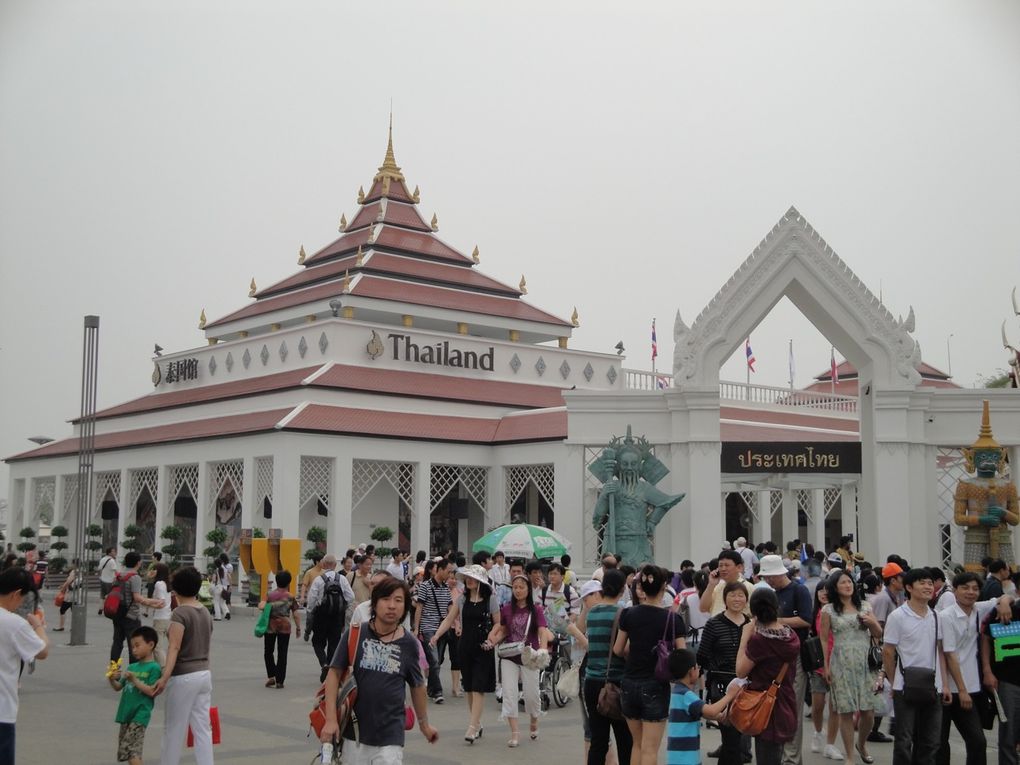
(28, 533)
(171, 551)
(212, 552)
(258, 533)
(58, 531)
(94, 530)
(382, 534)
(997, 381)
(316, 534)
(216, 536)
(133, 531)
(312, 554)
(58, 546)
(57, 564)
(171, 533)
(383, 552)
(93, 545)
(25, 546)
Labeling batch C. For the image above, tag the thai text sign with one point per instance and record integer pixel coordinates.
(791, 457)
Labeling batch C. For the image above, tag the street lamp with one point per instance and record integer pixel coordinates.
(949, 356)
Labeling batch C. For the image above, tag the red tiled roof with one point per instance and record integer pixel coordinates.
(405, 216)
(397, 191)
(487, 305)
(346, 243)
(846, 369)
(425, 385)
(235, 389)
(323, 292)
(414, 242)
(428, 427)
(214, 427)
(850, 388)
(793, 417)
(395, 265)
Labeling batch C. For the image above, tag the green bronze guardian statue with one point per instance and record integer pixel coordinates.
(629, 504)
(986, 505)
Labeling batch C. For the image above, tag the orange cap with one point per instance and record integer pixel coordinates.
(889, 570)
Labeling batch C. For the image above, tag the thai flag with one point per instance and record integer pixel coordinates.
(655, 344)
(750, 354)
(832, 367)
(661, 382)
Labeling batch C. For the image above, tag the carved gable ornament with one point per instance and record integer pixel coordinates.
(794, 261)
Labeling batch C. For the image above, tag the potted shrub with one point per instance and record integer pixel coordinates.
(27, 534)
(171, 549)
(216, 538)
(58, 562)
(317, 536)
(382, 535)
(131, 534)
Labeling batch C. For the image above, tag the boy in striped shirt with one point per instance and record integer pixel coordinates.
(683, 731)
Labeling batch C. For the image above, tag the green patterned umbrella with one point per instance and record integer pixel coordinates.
(522, 540)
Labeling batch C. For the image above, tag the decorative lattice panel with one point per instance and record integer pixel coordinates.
(224, 473)
(804, 504)
(365, 474)
(750, 499)
(316, 480)
(263, 480)
(145, 478)
(45, 493)
(830, 498)
(473, 479)
(950, 469)
(519, 476)
(180, 476)
(775, 503)
(592, 535)
(70, 498)
(104, 484)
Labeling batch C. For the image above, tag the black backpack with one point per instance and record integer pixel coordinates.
(333, 606)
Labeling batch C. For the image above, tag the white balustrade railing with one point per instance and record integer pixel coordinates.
(636, 379)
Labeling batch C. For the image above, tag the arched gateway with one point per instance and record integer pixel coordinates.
(892, 498)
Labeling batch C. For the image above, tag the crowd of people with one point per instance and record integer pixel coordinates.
(659, 653)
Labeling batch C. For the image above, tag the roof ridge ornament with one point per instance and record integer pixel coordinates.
(346, 290)
(201, 323)
(301, 256)
(343, 222)
(523, 286)
(574, 318)
(435, 222)
(475, 256)
(361, 258)
(252, 289)
(361, 195)
(416, 196)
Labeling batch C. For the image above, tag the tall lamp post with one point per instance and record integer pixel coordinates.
(86, 455)
(949, 356)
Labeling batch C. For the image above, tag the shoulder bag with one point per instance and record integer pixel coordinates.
(919, 682)
(751, 711)
(811, 656)
(513, 649)
(662, 650)
(262, 625)
(609, 703)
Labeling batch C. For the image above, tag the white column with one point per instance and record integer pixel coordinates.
(286, 491)
(421, 518)
(58, 502)
(761, 529)
(340, 511)
(570, 517)
(848, 512)
(27, 515)
(162, 503)
(202, 512)
(818, 516)
(789, 527)
(125, 516)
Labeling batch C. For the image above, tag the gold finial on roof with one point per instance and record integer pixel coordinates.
(343, 222)
(573, 318)
(252, 289)
(201, 320)
(361, 195)
(361, 258)
(475, 256)
(416, 196)
(389, 169)
(371, 235)
(523, 286)
(347, 283)
(435, 222)
(301, 256)
(985, 439)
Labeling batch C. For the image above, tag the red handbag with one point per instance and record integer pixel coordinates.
(214, 723)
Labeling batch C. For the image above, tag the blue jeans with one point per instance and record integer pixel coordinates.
(434, 657)
(6, 743)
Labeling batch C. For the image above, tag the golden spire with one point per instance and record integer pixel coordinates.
(361, 195)
(347, 283)
(371, 234)
(252, 289)
(343, 222)
(361, 258)
(573, 318)
(435, 222)
(985, 439)
(416, 196)
(475, 256)
(301, 256)
(389, 168)
(201, 320)
(523, 286)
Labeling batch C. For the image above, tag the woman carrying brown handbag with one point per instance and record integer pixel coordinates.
(766, 647)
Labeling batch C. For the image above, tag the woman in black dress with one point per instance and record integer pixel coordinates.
(478, 610)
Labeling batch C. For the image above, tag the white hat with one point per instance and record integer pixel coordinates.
(792, 564)
(474, 571)
(772, 565)
(740, 542)
(590, 587)
(726, 545)
(836, 558)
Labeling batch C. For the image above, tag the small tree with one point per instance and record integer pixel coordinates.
(216, 537)
(171, 550)
(131, 534)
(382, 535)
(93, 532)
(58, 562)
(317, 536)
(28, 534)
(258, 533)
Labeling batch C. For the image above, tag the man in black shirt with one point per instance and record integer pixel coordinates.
(1002, 676)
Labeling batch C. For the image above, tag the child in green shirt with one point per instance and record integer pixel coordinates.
(137, 686)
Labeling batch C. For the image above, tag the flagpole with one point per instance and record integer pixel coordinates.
(832, 369)
(747, 373)
(791, 364)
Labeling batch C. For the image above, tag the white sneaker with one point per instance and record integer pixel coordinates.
(817, 742)
(832, 753)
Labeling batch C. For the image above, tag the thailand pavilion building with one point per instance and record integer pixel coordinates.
(390, 382)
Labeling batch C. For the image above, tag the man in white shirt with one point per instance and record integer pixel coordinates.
(961, 622)
(21, 640)
(107, 569)
(499, 574)
(398, 567)
(912, 637)
(746, 554)
(730, 569)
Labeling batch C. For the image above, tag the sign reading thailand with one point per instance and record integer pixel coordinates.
(440, 354)
(181, 370)
(791, 457)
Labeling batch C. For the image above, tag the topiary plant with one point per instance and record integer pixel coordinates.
(131, 534)
(217, 537)
(28, 534)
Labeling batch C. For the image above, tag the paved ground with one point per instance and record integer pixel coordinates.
(67, 711)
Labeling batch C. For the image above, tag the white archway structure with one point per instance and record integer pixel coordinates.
(793, 261)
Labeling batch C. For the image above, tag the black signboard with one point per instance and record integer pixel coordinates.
(791, 457)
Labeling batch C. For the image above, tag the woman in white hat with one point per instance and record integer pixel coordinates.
(478, 608)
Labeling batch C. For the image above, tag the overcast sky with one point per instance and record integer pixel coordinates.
(625, 157)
